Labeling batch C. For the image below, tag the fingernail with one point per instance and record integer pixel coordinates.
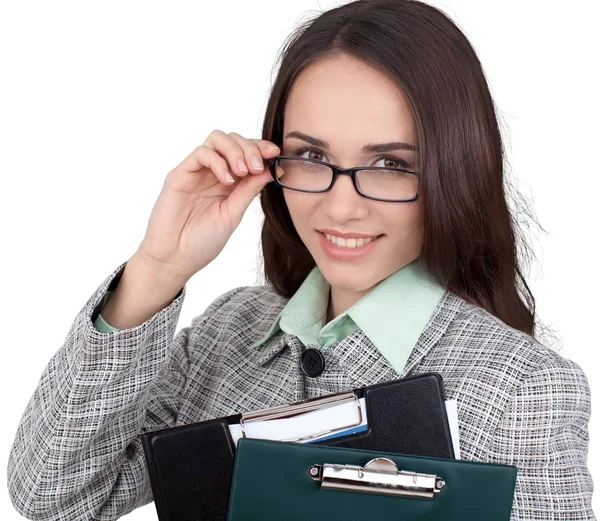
(229, 178)
(257, 163)
(242, 165)
(271, 146)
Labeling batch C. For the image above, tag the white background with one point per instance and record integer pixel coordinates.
(99, 100)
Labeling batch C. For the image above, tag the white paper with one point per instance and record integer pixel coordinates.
(452, 412)
(336, 417)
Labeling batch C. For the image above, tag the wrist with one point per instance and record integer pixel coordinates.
(155, 272)
(142, 291)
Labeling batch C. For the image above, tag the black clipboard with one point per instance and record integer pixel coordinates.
(191, 466)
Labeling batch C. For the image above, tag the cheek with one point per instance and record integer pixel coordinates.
(298, 207)
(417, 216)
(407, 222)
(290, 202)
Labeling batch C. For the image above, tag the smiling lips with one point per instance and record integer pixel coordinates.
(347, 240)
(347, 248)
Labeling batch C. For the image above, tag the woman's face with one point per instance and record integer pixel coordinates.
(347, 104)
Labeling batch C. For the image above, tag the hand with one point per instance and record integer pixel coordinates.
(199, 208)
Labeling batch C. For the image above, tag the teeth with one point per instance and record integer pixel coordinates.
(348, 243)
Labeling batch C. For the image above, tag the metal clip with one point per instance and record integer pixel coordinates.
(378, 476)
(286, 411)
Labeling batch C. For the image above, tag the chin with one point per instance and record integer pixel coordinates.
(353, 278)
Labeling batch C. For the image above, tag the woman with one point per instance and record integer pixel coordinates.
(406, 267)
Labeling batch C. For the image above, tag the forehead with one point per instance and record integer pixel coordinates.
(346, 102)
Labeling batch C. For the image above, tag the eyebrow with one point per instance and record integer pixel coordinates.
(370, 148)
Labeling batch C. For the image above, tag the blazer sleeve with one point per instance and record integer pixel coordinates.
(544, 432)
(77, 453)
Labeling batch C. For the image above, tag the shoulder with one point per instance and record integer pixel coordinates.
(482, 344)
(245, 311)
(479, 332)
(502, 376)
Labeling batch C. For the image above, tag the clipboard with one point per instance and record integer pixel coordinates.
(297, 482)
(191, 466)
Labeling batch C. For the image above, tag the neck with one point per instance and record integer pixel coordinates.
(341, 300)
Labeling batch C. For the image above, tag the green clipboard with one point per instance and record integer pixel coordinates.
(275, 480)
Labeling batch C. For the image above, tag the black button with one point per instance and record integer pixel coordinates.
(313, 362)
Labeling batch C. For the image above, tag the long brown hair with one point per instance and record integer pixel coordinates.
(470, 244)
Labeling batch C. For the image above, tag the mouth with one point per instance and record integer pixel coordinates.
(355, 242)
(350, 248)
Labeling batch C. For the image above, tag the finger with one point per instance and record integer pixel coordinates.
(243, 194)
(268, 149)
(228, 148)
(206, 157)
(254, 152)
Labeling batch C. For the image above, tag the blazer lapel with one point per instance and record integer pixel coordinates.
(365, 364)
(437, 325)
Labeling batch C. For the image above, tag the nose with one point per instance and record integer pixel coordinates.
(343, 202)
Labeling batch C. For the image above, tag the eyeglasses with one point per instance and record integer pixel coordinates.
(398, 185)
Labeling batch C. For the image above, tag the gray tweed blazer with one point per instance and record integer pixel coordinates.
(77, 452)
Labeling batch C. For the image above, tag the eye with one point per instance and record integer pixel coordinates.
(319, 155)
(303, 150)
(393, 159)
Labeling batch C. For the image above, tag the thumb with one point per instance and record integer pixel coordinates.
(244, 193)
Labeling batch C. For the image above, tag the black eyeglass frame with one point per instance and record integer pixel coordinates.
(272, 162)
